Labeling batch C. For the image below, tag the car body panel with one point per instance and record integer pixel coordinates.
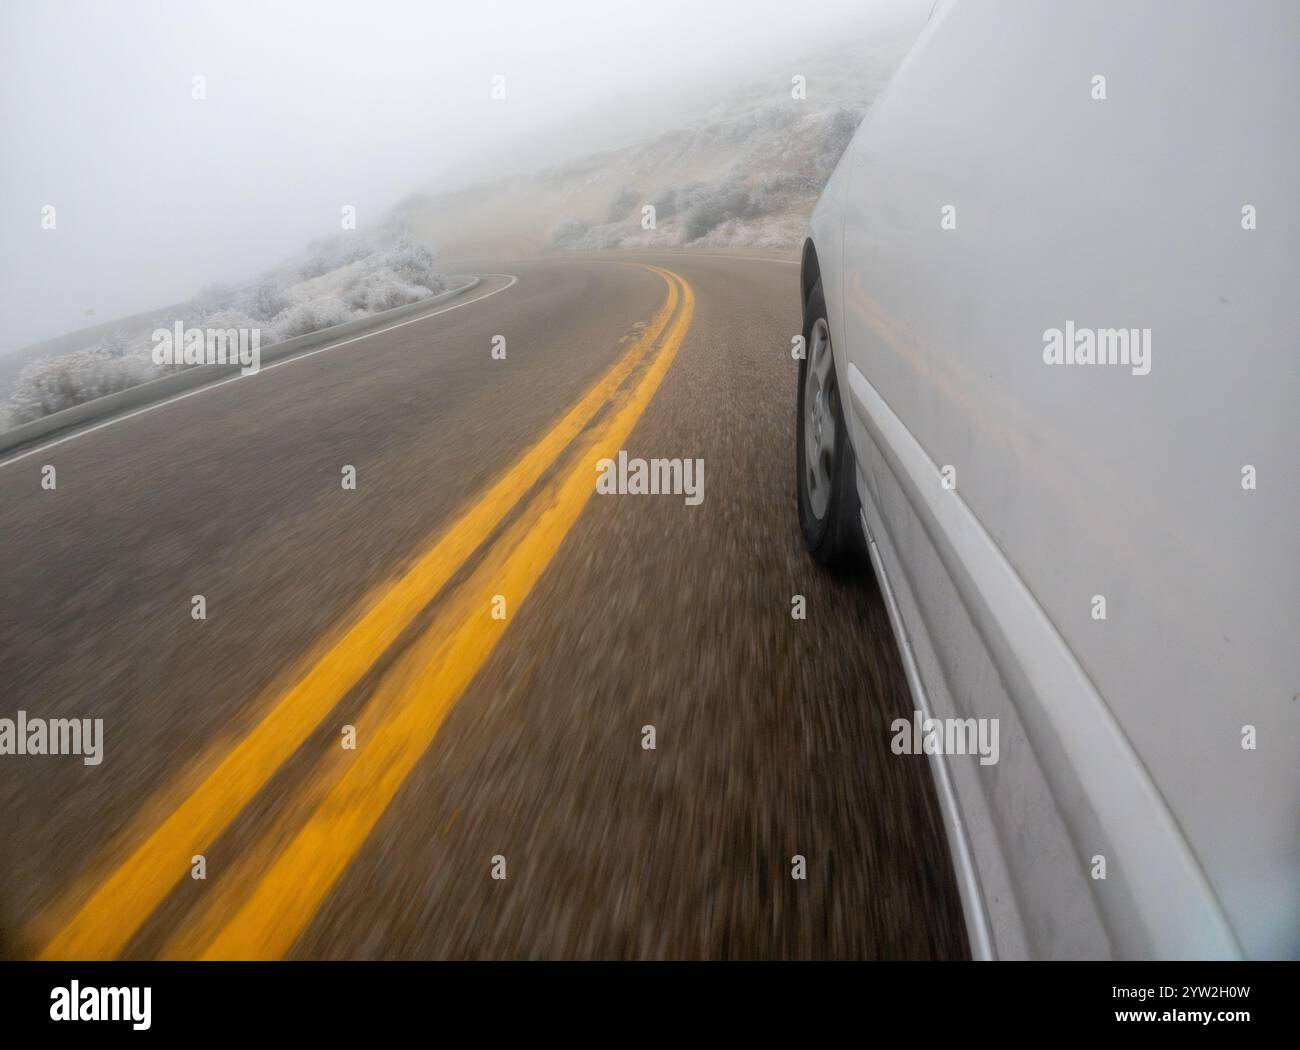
(1121, 737)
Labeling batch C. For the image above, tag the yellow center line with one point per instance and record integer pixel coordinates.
(106, 915)
(421, 688)
(464, 603)
(461, 605)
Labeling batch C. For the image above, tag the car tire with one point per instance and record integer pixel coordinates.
(825, 480)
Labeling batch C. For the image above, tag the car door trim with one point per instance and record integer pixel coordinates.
(979, 932)
(1157, 899)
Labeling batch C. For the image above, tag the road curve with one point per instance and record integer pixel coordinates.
(484, 745)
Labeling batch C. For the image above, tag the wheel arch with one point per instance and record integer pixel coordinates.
(810, 271)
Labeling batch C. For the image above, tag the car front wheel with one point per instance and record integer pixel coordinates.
(826, 485)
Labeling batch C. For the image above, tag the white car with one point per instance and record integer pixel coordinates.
(1052, 380)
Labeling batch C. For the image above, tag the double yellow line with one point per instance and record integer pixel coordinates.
(259, 909)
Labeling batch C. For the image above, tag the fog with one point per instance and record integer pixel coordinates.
(309, 107)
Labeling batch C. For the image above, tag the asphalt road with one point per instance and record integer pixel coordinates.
(483, 745)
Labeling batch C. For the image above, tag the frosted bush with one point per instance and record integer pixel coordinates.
(413, 263)
(228, 319)
(334, 254)
(311, 316)
(52, 384)
(264, 300)
(570, 233)
(585, 237)
(115, 344)
(789, 183)
(665, 204)
(762, 122)
(714, 206)
(375, 278)
(383, 289)
(621, 205)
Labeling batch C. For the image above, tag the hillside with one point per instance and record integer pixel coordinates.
(745, 169)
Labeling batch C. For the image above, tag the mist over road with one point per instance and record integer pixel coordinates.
(477, 738)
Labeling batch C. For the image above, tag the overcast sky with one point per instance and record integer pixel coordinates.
(310, 105)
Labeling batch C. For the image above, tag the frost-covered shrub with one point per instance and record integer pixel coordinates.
(115, 344)
(570, 233)
(405, 272)
(311, 316)
(383, 289)
(609, 235)
(413, 263)
(665, 204)
(772, 186)
(390, 270)
(582, 236)
(626, 200)
(334, 254)
(264, 300)
(228, 319)
(764, 123)
(54, 383)
(715, 205)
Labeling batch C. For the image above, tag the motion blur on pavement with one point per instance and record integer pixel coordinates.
(674, 741)
(552, 482)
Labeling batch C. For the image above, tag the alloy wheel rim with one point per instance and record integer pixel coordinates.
(819, 419)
